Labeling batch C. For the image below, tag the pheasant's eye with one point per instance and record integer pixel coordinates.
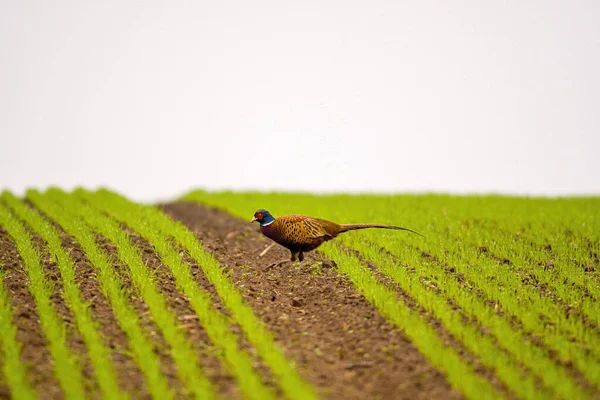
(259, 216)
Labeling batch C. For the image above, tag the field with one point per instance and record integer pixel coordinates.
(101, 297)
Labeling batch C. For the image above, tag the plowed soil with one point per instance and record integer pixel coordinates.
(35, 351)
(338, 341)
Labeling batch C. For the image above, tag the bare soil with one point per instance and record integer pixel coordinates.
(35, 353)
(337, 339)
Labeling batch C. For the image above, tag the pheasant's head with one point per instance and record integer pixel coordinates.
(263, 217)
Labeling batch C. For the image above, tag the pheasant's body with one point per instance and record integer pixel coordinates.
(300, 234)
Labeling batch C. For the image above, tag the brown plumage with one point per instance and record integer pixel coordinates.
(300, 234)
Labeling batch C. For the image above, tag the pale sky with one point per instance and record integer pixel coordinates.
(155, 98)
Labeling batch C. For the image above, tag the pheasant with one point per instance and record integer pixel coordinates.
(300, 234)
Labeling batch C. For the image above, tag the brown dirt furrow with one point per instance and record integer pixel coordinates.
(161, 347)
(339, 342)
(470, 358)
(547, 263)
(73, 337)
(129, 376)
(530, 280)
(35, 352)
(4, 389)
(243, 343)
(180, 305)
(515, 323)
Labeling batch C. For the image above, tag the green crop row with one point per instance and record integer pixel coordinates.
(567, 281)
(563, 233)
(534, 226)
(451, 241)
(214, 323)
(459, 374)
(66, 367)
(12, 368)
(500, 284)
(534, 358)
(98, 352)
(516, 281)
(518, 347)
(490, 348)
(524, 263)
(157, 228)
(141, 277)
(142, 349)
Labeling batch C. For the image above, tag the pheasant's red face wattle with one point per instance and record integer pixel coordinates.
(259, 216)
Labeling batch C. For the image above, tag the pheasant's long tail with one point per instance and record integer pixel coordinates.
(352, 227)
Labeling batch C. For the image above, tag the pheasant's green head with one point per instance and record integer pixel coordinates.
(263, 217)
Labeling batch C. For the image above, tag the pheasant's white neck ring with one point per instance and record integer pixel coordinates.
(268, 223)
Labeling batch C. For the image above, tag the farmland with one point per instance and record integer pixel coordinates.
(101, 297)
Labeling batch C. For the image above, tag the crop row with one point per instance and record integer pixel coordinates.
(539, 315)
(68, 371)
(212, 320)
(459, 373)
(479, 286)
(181, 349)
(514, 281)
(12, 368)
(157, 228)
(83, 216)
(110, 284)
(98, 352)
(501, 284)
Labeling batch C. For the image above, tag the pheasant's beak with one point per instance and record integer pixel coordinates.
(253, 219)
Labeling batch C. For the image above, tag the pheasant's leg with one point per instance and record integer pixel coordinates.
(301, 256)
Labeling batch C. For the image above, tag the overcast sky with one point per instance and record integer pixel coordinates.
(154, 98)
